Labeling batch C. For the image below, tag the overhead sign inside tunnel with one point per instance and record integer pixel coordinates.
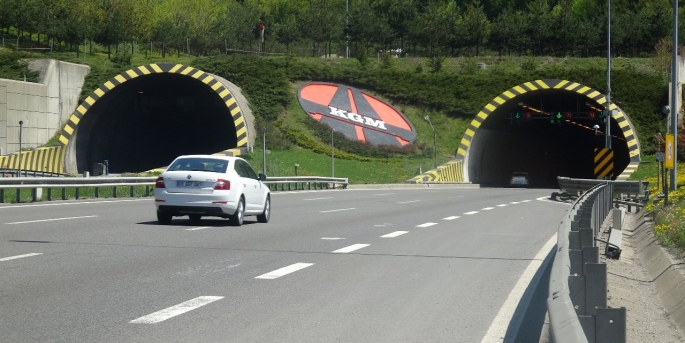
(356, 114)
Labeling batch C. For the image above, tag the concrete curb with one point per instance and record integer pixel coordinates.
(412, 185)
(668, 280)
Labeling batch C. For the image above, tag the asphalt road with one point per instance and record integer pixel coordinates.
(392, 265)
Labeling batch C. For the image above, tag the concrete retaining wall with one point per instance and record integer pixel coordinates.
(43, 106)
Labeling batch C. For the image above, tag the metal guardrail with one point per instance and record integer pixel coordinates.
(37, 184)
(577, 302)
(26, 173)
(577, 186)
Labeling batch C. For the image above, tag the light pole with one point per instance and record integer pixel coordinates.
(347, 29)
(21, 123)
(607, 143)
(435, 144)
(674, 95)
(264, 150)
(332, 155)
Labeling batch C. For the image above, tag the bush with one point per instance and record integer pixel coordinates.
(122, 58)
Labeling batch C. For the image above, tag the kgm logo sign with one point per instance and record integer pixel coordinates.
(357, 115)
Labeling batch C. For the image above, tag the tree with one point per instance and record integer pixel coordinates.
(324, 22)
(476, 25)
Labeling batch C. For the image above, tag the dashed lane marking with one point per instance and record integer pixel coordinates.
(470, 213)
(50, 220)
(502, 205)
(338, 210)
(487, 208)
(407, 202)
(525, 200)
(384, 194)
(331, 238)
(515, 202)
(426, 224)
(199, 228)
(176, 310)
(351, 248)
(317, 199)
(20, 256)
(284, 271)
(451, 218)
(394, 234)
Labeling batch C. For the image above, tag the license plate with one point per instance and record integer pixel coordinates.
(189, 184)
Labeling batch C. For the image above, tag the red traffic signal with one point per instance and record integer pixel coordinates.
(592, 114)
(568, 115)
(528, 116)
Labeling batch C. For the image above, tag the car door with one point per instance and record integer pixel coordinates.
(251, 186)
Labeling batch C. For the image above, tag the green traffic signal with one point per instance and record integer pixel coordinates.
(518, 115)
(559, 115)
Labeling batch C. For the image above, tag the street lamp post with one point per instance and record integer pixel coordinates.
(674, 99)
(607, 143)
(21, 123)
(264, 150)
(435, 144)
(332, 155)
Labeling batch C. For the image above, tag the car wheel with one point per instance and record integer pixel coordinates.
(195, 218)
(239, 215)
(163, 217)
(264, 217)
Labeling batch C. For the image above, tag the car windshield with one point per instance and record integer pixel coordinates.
(199, 164)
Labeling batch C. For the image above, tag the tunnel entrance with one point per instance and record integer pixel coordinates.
(144, 118)
(547, 132)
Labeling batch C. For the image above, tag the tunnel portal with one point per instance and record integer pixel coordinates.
(144, 118)
(545, 128)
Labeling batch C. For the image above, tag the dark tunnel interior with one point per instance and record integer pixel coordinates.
(146, 122)
(525, 135)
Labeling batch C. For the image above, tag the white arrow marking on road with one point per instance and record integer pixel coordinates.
(284, 271)
(49, 220)
(394, 234)
(351, 248)
(20, 256)
(174, 311)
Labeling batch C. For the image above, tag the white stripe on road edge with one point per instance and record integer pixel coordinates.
(284, 271)
(198, 228)
(317, 199)
(174, 311)
(487, 209)
(426, 224)
(50, 220)
(20, 256)
(501, 205)
(472, 212)
(338, 210)
(407, 202)
(525, 200)
(75, 203)
(394, 234)
(498, 328)
(385, 194)
(451, 218)
(351, 248)
(331, 238)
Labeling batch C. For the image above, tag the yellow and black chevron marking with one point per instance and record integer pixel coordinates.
(632, 167)
(49, 160)
(620, 117)
(604, 162)
(209, 80)
(452, 171)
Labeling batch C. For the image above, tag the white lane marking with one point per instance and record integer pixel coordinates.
(456, 196)
(394, 234)
(407, 202)
(383, 225)
(426, 224)
(20, 256)
(470, 213)
(49, 220)
(317, 199)
(199, 228)
(515, 202)
(451, 218)
(525, 200)
(502, 205)
(498, 328)
(332, 238)
(546, 199)
(175, 310)
(487, 208)
(284, 271)
(351, 248)
(384, 194)
(338, 210)
(76, 203)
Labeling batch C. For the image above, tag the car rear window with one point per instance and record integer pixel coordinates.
(194, 163)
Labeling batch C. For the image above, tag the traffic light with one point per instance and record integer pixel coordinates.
(602, 114)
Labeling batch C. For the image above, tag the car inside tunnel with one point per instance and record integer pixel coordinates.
(547, 133)
(146, 122)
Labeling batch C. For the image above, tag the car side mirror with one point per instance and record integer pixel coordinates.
(262, 177)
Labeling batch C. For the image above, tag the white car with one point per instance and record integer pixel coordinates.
(212, 186)
(519, 179)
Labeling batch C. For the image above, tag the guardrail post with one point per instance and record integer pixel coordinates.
(587, 237)
(18, 195)
(114, 191)
(76, 192)
(576, 289)
(132, 193)
(590, 255)
(34, 194)
(610, 325)
(97, 192)
(588, 325)
(64, 193)
(147, 191)
(595, 287)
(49, 193)
(2, 196)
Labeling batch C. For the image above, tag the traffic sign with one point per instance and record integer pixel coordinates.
(592, 114)
(568, 114)
(668, 162)
(528, 115)
(659, 156)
